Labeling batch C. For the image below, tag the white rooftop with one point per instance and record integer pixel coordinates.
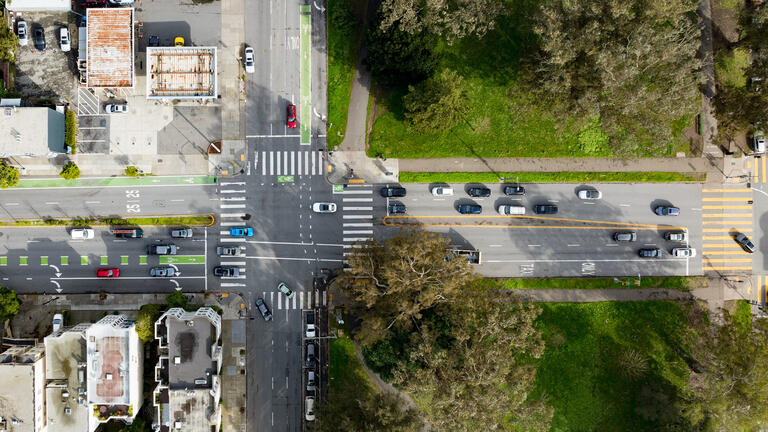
(31, 132)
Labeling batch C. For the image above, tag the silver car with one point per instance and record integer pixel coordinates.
(23, 32)
(181, 233)
(162, 271)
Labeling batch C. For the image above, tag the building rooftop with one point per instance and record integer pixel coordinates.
(18, 381)
(191, 409)
(31, 131)
(189, 350)
(181, 72)
(110, 47)
(65, 374)
(107, 350)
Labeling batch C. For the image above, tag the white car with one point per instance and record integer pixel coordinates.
(324, 207)
(22, 32)
(684, 252)
(81, 234)
(64, 39)
(310, 331)
(309, 408)
(116, 109)
(249, 63)
(442, 191)
(58, 320)
(758, 142)
(590, 194)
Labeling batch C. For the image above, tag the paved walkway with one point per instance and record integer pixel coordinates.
(708, 120)
(114, 165)
(602, 295)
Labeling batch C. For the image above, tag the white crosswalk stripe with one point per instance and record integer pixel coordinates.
(362, 224)
(234, 215)
(225, 206)
(295, 162)
(301, 300)
(230, 223)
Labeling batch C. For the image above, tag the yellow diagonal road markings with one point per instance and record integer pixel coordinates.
(717, 238)
(726, 199)
(720, 207)
(707, 253)
(721, 230)
(727, 268)
(725, 260)
(721, 245)
(726, 215)
(726, 190)
(728, 222)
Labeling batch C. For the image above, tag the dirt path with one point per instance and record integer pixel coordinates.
(601, 295)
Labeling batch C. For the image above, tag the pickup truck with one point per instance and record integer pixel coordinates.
(473, 256)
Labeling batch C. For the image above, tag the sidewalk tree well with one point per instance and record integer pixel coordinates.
(70, 131)
(9, 303)
(9, 176)
(70, 171)
(131, 171)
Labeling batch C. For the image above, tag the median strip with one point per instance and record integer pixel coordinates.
(200, 220)
(89, 182)
(551, 177)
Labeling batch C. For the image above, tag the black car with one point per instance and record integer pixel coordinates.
(470, 209)
(514, 190)
(226, 271)
(392, 191)
(263, 309)
(745, 243)
(396, 208)
(650, 253)
(39, 38)
(479, 192)
(545, 209)
(310, 354)
(161, 249)
(154, 41)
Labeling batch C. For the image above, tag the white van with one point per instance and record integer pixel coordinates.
(758, 142)
(442, 191)
(511, 210)
(81, 234)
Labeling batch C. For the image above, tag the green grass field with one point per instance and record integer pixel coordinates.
(730, 67)
(671, 282)
(581, 371)
(348, 380)
(343, 42)
(550, 177)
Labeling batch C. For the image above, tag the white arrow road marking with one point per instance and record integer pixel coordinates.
(58, 287)
(178, 273)
(318, 7)
(178, 287)
(58, 272)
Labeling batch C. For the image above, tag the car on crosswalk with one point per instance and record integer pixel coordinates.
(241, 231)
(228, 251)
(283, 288)
(108, 273)
(162, 271)
(324, 207)
(745, 242)
(226, 271)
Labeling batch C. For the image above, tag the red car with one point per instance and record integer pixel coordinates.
(291, 122)
(108, 272)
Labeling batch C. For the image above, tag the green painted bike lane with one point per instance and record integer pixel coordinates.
(305, 117)
(115, 182)
(183, 259)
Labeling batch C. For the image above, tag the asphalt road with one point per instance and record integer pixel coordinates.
(574, 242)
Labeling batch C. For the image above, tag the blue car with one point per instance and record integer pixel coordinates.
(667, 211)
(241, 231)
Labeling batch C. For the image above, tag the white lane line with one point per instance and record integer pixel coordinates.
(285, 162)
(313, 165)
(225, 206)
(356, 239)
(93, 202)
(177, 200)
(280, 243)
(649, 244)
(298, 161)
(696, 209)
(532, 245)
(357, 208)
(588, 202)
(611, 244)
(649, 261)
(272, 163)
(355, 191)
(11, 203)
(229, 284)
(574, 245)
(233, 199)
(233, 191)
(361, 232)
(264, 163)
(494, 245)
(357, 217)
(329, 244)
(52, 203)
(238, 215)
(361, 224)
(232, 184)
(357, 199)
(624, 205)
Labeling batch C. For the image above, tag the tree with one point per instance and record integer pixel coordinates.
(438, 103)
(383, 411)
(9, 176)
(176, 299)
(9, 304)
(8, 44)
(632, 64)
(70, 131)
(145, 322)
(70, 171)
(452, 19)
(393, 282)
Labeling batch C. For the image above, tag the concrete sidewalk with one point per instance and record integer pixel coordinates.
(557, 164)
(114, 165)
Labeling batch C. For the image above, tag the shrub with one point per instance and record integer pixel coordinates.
(132, 171)
(145, 322)
(9, 176)
(176, 299)
(70, 171)
(70, 131)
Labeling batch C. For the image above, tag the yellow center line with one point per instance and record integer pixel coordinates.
(725, 260)
(763, 159)
(726, 215)
(728, 222)
(713, 268)
(727, 199)
(718, 207)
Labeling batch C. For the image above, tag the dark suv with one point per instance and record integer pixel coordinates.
(514, 190)
(479, 192)
(545, 209)
(650, 253)
(392, 191)
(161, 249)
(396, 208)
(263, 309)
(470, 209)
(745, 243)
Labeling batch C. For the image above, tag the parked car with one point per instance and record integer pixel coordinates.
(22, 31)
(58, 321)
(442, 191)
(679, 236)
(64, 39)
(311, 381)
(667, 211)
(479, 192)
(82, 234)
(511, 210)
(181, 233)
(226, 271)
(116, 109)
(290, 116)
(154, 41)
(396, 208)
(625, 236)
(514, 190)
(590, 194)
(745, 243)
(121, 2)
(758, 142)
(545, 209)
(242, 231)
(161, 249)
(392, 191)
(310, 354)
(470, 209)
(228, 251)
(684, 252)
(249, 62)
(322, 207)
(263, 309)
(39, 38)
(162, 271)
(178, 41)
(309, 408)
(128, 233)
(108, 273)
(650, 253)
(283, 288)
(310, 330)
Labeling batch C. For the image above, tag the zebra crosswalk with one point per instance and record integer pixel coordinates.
(357, 216)
(300, 300)
(288, 163)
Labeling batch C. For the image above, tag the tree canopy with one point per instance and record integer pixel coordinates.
(9, 303)
(383, 411)
(70, 171)
(452, 19)
(9, 44)
(396, 57)
(9, 176)
(438, 103)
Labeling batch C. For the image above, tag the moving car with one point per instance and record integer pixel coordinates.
(470, 209)
(162, 271)
(58, 320)
(228, 251)
(249, 63)
(590, 194)
(650, 253)
(283, 288)
(226, 271)
(81, 234)
(679, 236)
(290, 116)
(128, 232)
(392, 191)
(161, 249)
(242, 231)
(511, 210)
(108, 272)
(514, 190)
(625, 236)
(22, 32)
(178, 41)
(758, 142)
(39, 38)
(263, 309)
(181, 233)
(667, 211)
(116, 109)
(745, 243)
(479, 192)
(322, 207)
(309, 408)
(684, 252)
(442, 191)
(64, 39)
(545, 209)
(396, 208)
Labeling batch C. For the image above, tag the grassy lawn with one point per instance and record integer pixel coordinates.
(348, 380)
(343, 41)
(581, 369)
(743, 313)
(550, 177)
(730, 67)
(671, 282)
